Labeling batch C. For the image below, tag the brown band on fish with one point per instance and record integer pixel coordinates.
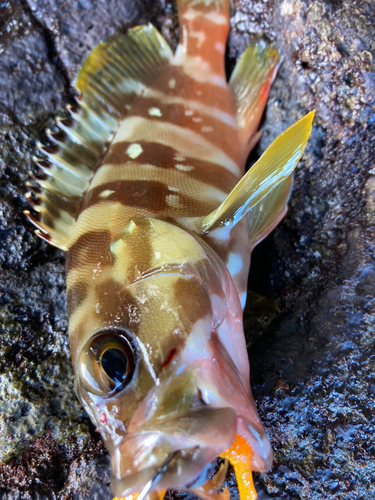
(182, 115)
(140, 194)
(116, 301)
(76, 295)
(159, 155)
(89, 249)
(194, 298)
(178, 84)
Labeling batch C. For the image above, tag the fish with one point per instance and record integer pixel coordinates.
(144, 188)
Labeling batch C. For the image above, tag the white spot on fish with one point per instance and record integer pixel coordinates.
(243, 299)
(218, 80)
(134, 150)
(184, 168)
(131, 226)
(157, 255)
(214, 17)
(220, 47)
(207, 129)
(172, 83)
(172, 188)
(234, 263)
(199, 35)
(196, 106)
(154, 112)
(189, 112)
(173, 200)
(106, 193)
(96, 271)
(197, 119)
(179, 158)
(221, 233)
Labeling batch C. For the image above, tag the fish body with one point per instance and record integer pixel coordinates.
(147, 196)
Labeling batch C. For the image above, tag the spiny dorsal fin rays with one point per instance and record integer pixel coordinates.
(115, 73)
(274, 166)
(250, 82)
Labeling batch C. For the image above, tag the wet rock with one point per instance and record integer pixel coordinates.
(311, 352)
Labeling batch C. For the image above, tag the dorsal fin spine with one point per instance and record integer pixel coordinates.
(87, 125)
(101, 93)
(106, 122)
(77, 138)
(58, 161)
(56, 175)
(74, 155)
(101, 104)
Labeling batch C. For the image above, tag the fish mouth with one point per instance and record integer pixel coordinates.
(138, 458)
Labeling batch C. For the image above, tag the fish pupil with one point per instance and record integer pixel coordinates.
(115, 364)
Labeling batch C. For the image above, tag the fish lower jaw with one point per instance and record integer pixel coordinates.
(185, 470)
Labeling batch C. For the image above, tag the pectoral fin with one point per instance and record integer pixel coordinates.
(266, 183)
(266, 214)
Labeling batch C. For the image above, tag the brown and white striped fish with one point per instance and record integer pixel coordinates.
(143, 189)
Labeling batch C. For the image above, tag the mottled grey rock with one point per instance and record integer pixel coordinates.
(311, 345)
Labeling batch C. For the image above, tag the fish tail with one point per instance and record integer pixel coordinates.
(204, 28)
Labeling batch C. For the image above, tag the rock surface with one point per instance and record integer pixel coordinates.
(313, 361)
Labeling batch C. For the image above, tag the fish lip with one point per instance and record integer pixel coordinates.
(198, 435)
(132, 483)
(148, 442)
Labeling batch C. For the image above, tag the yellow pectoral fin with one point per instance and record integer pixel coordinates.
(239, 455)
(154, 495)
(273, 168)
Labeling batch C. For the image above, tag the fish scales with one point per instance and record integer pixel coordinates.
(146, 194)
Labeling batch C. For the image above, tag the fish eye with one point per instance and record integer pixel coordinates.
(107, 362)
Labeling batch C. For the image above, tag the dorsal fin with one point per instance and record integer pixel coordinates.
(114, 74)
(250, 82)
(273, 168)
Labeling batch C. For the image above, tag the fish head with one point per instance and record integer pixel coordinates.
(151, 367)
